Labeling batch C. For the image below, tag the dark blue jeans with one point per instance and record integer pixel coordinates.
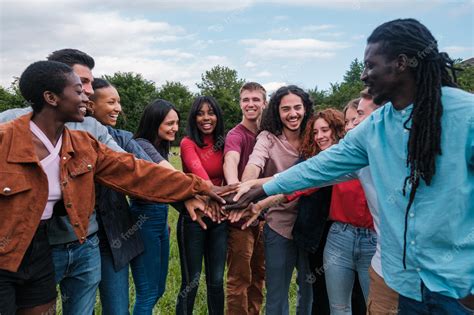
(150, 269)
(282, 256)
(113, 286)
(195, 244)
(432, 304)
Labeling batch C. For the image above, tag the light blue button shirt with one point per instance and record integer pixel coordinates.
(440, 229)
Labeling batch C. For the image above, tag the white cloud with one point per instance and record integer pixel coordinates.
(263, 74)
(300, 48)
(273, 86)
(315, 28)
(175, 54)
(250, 64)
(117, 42)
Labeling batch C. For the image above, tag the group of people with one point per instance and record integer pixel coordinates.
(372, 206)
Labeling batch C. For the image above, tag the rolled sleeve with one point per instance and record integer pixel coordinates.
(345, 157)
(260, 153)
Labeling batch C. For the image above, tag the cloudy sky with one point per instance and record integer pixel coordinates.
(306, 42)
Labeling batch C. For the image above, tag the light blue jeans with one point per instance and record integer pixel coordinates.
(348, 250)
(150, 268)
(77, 270)
(281, 257)
(113, 287)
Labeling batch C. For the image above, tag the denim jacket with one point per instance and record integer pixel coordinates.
(118, 229)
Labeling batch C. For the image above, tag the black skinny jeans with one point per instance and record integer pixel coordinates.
(195, 244)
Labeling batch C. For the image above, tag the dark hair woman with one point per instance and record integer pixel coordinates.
(156, 131)
(202, 154)
(113, 210)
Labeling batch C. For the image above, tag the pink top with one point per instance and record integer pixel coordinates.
(272, 155)
(203, 162)
(50, 166)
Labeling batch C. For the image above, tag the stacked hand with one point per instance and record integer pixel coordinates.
(237, 200)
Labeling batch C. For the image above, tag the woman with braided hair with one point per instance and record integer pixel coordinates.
(420, 152)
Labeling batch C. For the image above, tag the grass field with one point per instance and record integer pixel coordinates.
(166, 304)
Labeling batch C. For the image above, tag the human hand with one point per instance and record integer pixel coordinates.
(226, 190)
(199, 202)
(216, 192)
(255, 212)
(217, 214)
(246, 199)
(199, 219)
(244, 188)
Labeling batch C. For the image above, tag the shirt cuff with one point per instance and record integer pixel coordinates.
(271, 188)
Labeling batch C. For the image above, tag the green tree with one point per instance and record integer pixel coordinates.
(135, 93)
(319, 98)
(224, 85)
(465, 77)
(11, 97)
(341, 93)
(182, 98)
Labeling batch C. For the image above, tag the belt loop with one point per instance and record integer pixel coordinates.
(344, 226)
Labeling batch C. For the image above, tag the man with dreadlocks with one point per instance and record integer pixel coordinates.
(420, 151)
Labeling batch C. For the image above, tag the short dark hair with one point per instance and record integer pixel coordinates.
(271, 121)
(150, 122)
(72, 57)
(42, 76)
(192, 130)
(98, 84)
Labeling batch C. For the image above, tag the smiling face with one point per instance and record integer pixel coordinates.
(106, 105)
(323, 135)
(252, 103)
(291, 112)
(71, 103)
(206, 119)
(169, 126)
(85, 75)
(379, 75)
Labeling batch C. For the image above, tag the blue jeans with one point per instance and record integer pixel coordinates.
(282, 255)
(195, 244)
(113, 287)
(432, 304)
(77, 270)
(150, 269)
(349, 250)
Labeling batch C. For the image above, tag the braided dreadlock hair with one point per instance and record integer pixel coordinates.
(430, 69)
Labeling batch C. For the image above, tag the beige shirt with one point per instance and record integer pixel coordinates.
(274, 154)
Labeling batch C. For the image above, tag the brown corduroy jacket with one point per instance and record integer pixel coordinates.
(24, 185)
